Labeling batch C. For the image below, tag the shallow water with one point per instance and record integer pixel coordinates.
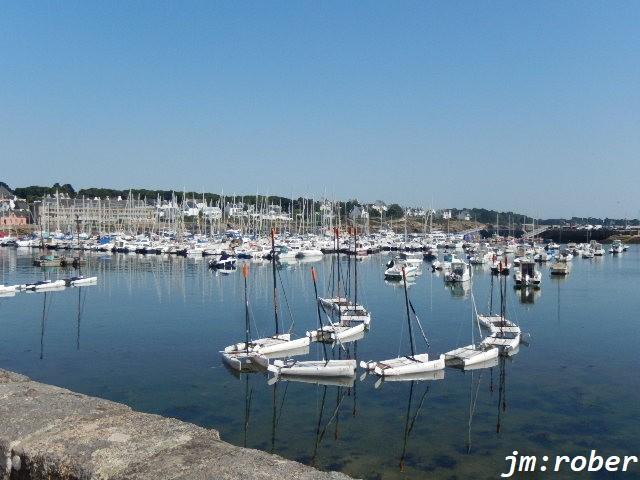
(149, 334)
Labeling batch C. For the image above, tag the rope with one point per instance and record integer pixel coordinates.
(424, 335)
(286, 301)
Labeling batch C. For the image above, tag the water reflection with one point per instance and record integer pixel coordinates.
(177, 316)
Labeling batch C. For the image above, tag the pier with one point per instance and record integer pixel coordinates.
(48, 432)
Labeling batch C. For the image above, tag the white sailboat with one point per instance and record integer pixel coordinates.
(314, 368)
(245, 360)
(409, 364)
(505, 334)
(353, 319)
(475, 353)
(280, 344)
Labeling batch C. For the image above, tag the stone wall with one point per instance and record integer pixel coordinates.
(51, 433)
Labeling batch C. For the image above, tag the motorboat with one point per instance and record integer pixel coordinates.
(459, 272)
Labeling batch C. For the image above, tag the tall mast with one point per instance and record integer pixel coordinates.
(355, 265)
(245, 274)
(337, 241)
(320, 327)
(275, 285)
(406, 301)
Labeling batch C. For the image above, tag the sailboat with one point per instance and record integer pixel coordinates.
(353, 319)
(475, 353)
(244, 359)
(314, 368)
(349, 311)
(409, 364)
(505, 335)
(280, 344)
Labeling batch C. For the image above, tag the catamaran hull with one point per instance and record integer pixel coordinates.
(331, 368)
(329, 334)
(244, 362)
(470, 355)
(405, 366)
(285, 346)
(255, 344)
(83, 281)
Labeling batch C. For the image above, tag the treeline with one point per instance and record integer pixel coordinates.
(34, 192)
(394, 211)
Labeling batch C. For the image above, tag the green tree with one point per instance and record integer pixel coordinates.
(395, 211)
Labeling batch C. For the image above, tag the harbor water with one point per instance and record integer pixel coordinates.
(149, 335)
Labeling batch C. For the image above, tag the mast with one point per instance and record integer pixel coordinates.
(355, 265)
(406, 301)
(275, 285)
(245, 274)
(320, 326)
(337, 236)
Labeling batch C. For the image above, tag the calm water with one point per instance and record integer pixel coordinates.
(149, 333)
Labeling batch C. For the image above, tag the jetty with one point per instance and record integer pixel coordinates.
(48, 432)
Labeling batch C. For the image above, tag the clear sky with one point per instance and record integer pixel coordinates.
(530, 106)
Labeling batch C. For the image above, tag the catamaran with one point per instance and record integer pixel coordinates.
(353, 319)
(314, 368)
(475, 353)
(280, 344)
(408, 364)
(246, 359)
(505, 334)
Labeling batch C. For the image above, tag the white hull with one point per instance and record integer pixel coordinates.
(335, 332)
(255, 344)
(283, 346)
(8, 289)
(506, 342)
(77, 282)
(405, 365)
(310, 253)
(314, 368)
(419, 377)
(243, 361)
(470, 355)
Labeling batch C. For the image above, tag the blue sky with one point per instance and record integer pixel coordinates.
(530, 106)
